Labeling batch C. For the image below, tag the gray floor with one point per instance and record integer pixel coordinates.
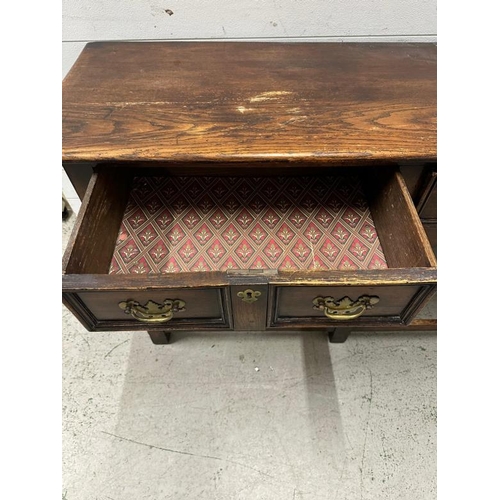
(248, 416)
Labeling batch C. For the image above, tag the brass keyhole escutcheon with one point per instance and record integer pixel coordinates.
(249, 295)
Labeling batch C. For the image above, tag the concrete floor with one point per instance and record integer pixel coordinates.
(197, 420)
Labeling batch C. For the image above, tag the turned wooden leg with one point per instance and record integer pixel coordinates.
(339, 335)
(159, 337)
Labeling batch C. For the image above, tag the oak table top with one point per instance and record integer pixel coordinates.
(251, 102)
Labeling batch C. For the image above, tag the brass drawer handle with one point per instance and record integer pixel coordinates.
(345, 308)
(153, 312)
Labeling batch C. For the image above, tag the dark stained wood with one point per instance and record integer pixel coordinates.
(427, 206)
(290, 305)
(234, 109)
(412, 173)
(296, 302)
(79, 175)
(106, 282)
(80, 311)
(245, 169)
(422, 185)
(249, 316)
(363, 277)
(398, 225)
(338, 335)
(211, 297)
(238, 102)
(424, 325)
(417, 303)
(186, 325)
(97, 311)
(417, 325)
(159, 337)
(431, 231)
(94, 235)
(205, 303)
(139, 282)
(375, 322)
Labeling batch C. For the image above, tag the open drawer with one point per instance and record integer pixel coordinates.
(151, 248)
(371, 297)
(132, 301)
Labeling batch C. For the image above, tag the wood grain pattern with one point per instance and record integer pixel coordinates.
(200, 303)
(293, 305)
(249, 316)
(297, 302)
(413, 173)
(195, 108)
(399, 228)
(96, 227)
(210, 309)
(233, 102)
(419, 300)
(106, 282)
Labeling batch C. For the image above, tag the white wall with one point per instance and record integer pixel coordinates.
(286, 20)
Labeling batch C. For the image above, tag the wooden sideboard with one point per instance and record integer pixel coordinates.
(251, 186)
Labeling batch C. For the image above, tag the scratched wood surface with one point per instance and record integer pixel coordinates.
(235, 102)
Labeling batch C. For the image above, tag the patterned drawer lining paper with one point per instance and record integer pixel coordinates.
(174, 224)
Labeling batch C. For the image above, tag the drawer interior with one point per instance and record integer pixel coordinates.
(159, 224)
(186, 224)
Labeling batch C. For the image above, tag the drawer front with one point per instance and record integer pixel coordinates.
(230, 295)
(303, 306)
(145, 310)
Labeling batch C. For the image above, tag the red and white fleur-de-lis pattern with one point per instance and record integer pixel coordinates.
(174, 224)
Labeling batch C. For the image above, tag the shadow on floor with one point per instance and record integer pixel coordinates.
(237, 412)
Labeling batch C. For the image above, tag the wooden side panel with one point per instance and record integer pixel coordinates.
(398, 225)
(94, 236)
(412, 174)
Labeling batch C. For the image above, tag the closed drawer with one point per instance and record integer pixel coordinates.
(314, 306)
(134, 309)
(152, 251)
